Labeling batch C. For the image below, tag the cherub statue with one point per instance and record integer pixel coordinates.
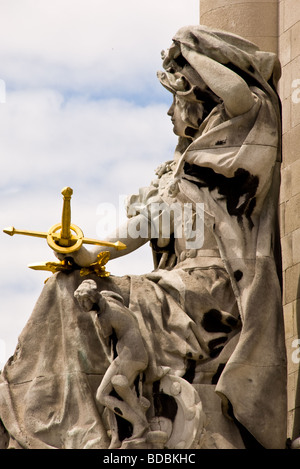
(130, 362)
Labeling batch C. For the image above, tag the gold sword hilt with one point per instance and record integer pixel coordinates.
(65, 233)
(60, 237)
(65, 237)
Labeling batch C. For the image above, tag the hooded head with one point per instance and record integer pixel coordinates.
(182, 72)
(244, 57)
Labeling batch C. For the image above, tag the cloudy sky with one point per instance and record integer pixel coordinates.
(83, 108)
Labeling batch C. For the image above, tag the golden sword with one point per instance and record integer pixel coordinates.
(66, 238)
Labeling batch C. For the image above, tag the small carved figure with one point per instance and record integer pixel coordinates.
(131, 360)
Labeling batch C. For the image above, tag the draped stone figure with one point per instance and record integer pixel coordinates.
(208, 318)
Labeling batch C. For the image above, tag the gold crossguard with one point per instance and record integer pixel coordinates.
(56, 238)
(65, 237)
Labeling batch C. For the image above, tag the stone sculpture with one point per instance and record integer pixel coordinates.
(208, 319)
(130, 361)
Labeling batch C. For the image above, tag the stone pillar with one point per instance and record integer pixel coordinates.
(289, 90)
(274, 25)
(255, 20)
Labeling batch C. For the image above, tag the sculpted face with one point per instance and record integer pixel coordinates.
(86, 295)
(185, 116)
(86, 303)
(176, 113)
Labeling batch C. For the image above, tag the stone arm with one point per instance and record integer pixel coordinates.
(225, 83)
(85, 257)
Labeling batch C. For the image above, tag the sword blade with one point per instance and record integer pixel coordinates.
(117, 245)
(11, 230)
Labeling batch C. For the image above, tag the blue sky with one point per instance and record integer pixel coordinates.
(83, 108)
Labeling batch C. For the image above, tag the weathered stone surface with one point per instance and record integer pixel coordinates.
(198, 343)
(254, 20)
(287, 34)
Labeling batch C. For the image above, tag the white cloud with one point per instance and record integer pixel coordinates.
(83, 108)
(96, 43)
(61, 139)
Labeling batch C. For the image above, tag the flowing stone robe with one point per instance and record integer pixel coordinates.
(213, 316)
